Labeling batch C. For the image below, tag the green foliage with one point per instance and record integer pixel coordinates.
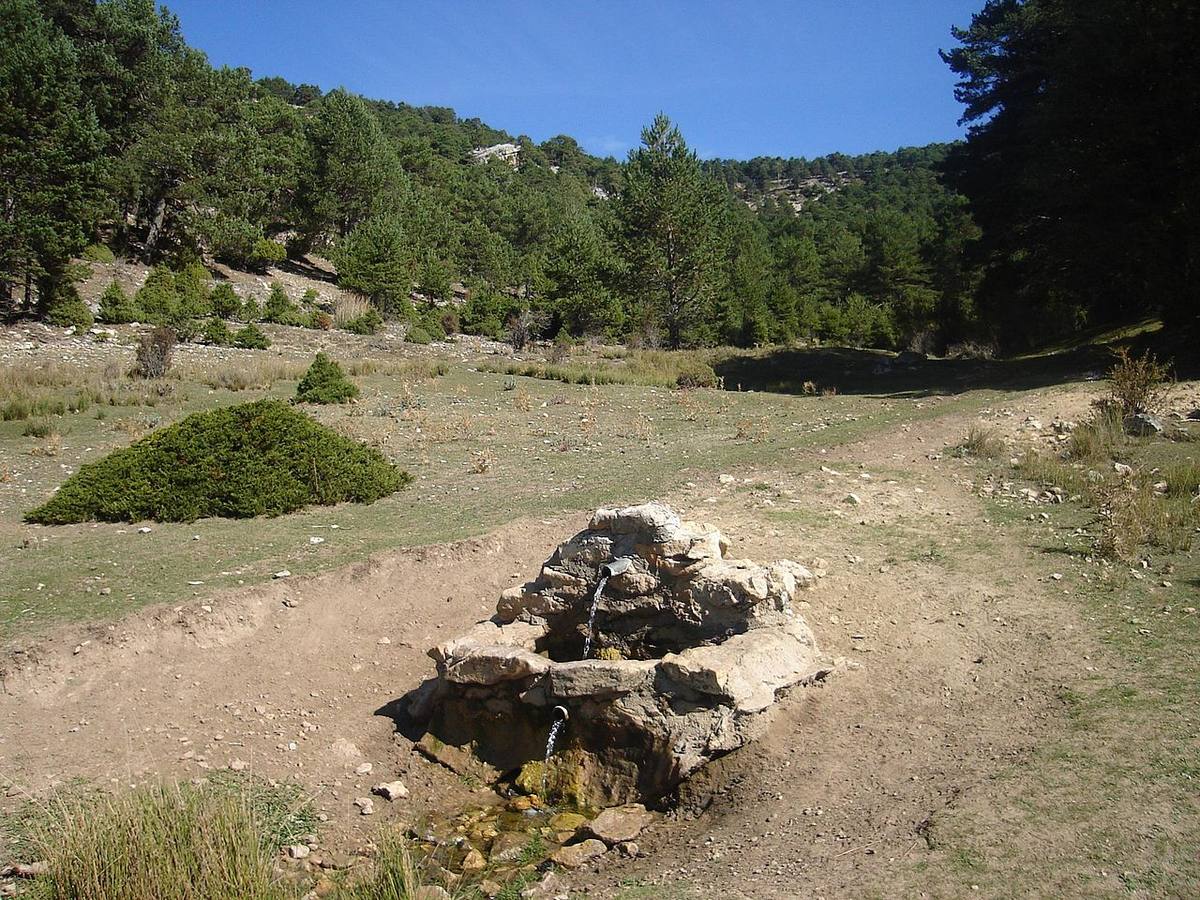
(66, 309)
(250, 312)
(673, 218)
(1082, 213)
(98, 253)
(374, 259)
(418, 335)
(261, 458)
(325, 382)
(279, 308)
(216, 332)
(116, 308)
(157, 297)
(368, 323)
(224, 301)
(251, 338)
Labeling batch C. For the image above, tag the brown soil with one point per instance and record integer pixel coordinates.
(952, 660)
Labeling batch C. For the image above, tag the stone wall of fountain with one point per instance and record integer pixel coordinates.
(690, 651)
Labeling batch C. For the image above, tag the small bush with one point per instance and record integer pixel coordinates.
(224, 301)
(38, 428)
(368, 323)
(66, 309)
(154, 353)
(261, 458)
(1138, 384)
(309, 297)
(116, 308)
(981, 442)
(325, 382)
(251, 338)
(418, 335)
(251, 312)
(1099, 438)
(157, 297)
(449, 320)
(216, 332)
(98, 253)
(266, 253)
(321, 320)
(279, 308)
(697, 375)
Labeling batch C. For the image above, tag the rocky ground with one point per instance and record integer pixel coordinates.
(957, 641)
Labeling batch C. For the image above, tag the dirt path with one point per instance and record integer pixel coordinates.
(956, 642)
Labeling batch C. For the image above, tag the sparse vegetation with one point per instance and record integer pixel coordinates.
(261, 458)
(981, 442)
(1138, 384)
(154, 353)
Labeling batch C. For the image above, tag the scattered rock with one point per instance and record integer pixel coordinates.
(474, 861)
(568, 821)
(297, 851)
(1123, 470)
(508, 847)
(366, 806)
(575, 855)
(551, 887)
(282, 573)
(1143, 425)
(145, 529)
(239, 765)
(629, 849)
(726, 479)
(620, 823)
(25, 870)
(390, 790)
(853, 499)
(363, 769)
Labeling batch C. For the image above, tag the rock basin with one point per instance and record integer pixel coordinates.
(691, 651)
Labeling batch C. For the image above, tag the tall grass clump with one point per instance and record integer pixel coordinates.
(215, 841)
(981, 442)
(255, 459)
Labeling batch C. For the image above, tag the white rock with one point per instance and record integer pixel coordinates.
(725, 479)
(363, 769)
(390, 790)
(366, 806)
(297, 851)
(282, 573)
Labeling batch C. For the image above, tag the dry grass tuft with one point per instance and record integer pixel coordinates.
(981, 442)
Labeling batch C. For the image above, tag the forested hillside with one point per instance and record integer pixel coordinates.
(114, 132)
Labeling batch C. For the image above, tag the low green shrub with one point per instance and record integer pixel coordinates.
(224, 300)
(251, 311)
(325, 382)
(66, 309)
(254, 459)
(38, 428)
(216, 332)
(418, 335)
(278, 308)
(116, 307)
(98, 253)
(251, 338)
(368, 323)
(697, 374)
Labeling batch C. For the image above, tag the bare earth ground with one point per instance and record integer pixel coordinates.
(956, 638)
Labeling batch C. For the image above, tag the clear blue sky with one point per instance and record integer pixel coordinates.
(742, 79)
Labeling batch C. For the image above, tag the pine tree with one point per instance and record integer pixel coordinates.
(673, 221)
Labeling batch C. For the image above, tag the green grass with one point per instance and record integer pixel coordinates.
(216, 840)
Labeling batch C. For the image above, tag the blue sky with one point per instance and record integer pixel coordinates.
(742, 79)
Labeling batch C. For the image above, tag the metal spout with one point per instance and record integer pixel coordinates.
(561, 713)
(616, 567)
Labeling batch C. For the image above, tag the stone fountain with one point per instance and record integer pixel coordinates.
(691, 651)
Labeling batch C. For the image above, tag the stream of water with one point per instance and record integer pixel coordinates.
(559, 722)
(591, 630)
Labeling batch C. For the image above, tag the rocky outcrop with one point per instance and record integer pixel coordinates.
(691, 649)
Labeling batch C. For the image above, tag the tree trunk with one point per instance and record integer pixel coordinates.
(156, 224)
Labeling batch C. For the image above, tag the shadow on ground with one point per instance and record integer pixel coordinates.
(872, 372)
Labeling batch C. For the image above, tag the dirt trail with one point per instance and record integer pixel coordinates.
(955, 637)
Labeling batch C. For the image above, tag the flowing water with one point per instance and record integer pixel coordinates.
(587, 642)
(559, 721)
